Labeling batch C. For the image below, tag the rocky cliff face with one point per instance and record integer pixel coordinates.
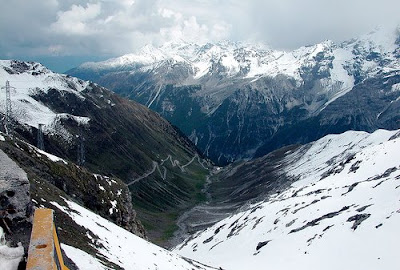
(234, 99)
(15, 209)
(372, 104)
(15, 196)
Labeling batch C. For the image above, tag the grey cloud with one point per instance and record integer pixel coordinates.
(122, 26)
(289, 24)
(24, 25)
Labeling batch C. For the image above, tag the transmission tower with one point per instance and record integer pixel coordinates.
(81, 148)
(8, 124)
(40, 141)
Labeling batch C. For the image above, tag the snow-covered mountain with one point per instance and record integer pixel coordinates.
(232, 99)
(343, 212)
(236, 59)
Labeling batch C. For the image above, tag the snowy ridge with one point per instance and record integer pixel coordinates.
(378, 50)
(119, 246)
(342, 213)
(28, 79)
(252, 61)
(326, 70)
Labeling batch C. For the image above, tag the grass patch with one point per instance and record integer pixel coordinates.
(201, 197)
(159, 203)
(169, 232)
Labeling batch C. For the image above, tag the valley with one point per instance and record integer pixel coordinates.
(228, 155)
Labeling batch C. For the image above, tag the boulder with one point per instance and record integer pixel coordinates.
(15, 200)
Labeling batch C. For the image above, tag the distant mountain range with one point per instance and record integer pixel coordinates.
(238, 101)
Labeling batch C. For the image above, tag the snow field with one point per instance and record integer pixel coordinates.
(119, 246)
(341, 216)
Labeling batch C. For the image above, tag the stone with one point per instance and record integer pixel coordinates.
(15, 200)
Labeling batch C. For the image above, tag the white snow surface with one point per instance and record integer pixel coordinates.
(113, 207)
(342, 213)
(9, 257)
(51, 156)
(396, 87)
(82, 259)
(119, 246)
(36, 79)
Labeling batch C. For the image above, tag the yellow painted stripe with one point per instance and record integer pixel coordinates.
(58, 249)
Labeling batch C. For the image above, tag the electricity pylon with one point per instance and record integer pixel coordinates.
(81, 148)
(40, 141)
(8, 124)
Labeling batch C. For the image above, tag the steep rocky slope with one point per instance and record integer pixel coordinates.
(48, 177)
(234, 100)
(372, 104)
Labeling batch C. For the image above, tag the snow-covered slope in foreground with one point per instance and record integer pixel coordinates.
(119, 246)
(342, 213)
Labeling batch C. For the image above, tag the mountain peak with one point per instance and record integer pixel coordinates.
(17, 67)
(29, 79)
(381, 39)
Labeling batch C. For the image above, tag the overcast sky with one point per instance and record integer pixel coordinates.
(64, 33)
